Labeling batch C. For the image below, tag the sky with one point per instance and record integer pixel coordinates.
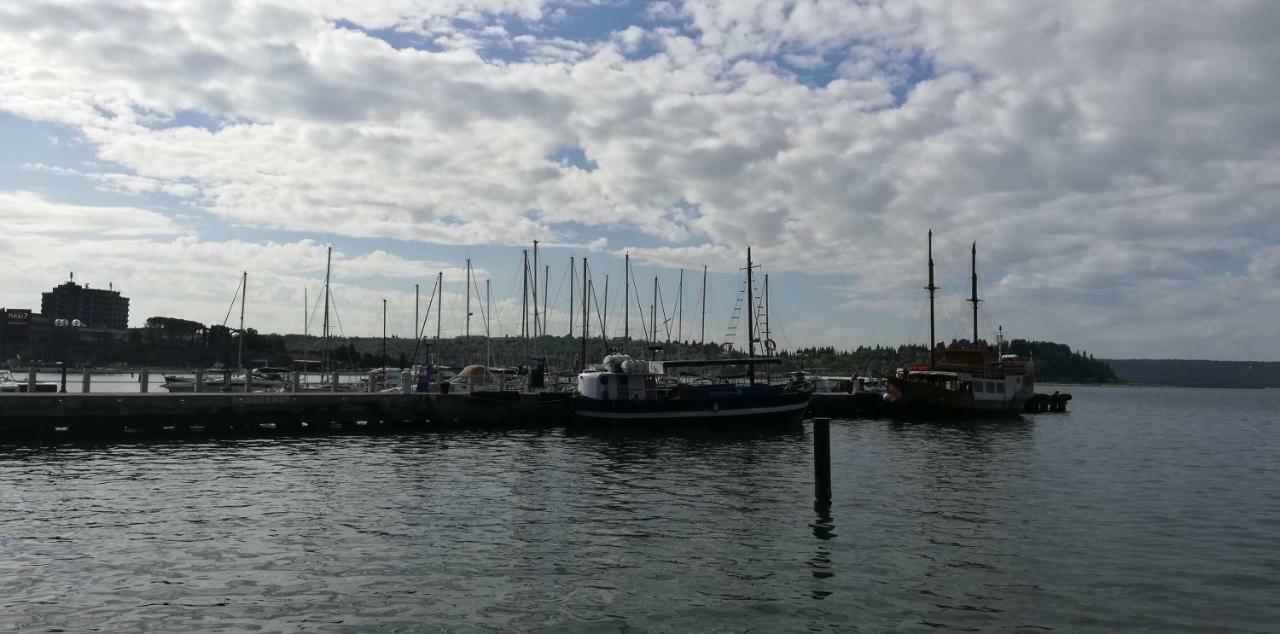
(1116, 163)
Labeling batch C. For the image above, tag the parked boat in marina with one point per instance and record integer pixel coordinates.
(967, 382)
(637, 393)
(11, 385)
(848, 396)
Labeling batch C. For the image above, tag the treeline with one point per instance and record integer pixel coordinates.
(170, 342)
(1198, 373)
(1054, 362)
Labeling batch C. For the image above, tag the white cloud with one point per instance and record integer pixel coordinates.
(1094, 151)
(31, 214)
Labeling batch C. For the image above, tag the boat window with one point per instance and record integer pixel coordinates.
(1000, 387)
(979, 386)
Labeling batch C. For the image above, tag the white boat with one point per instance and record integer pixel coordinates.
(11, 385)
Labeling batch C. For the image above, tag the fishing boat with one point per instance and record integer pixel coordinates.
(642, 394)
(972, 382)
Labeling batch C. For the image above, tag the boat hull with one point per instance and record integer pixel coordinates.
(843, 405)
(501, 408)
(707, 411)
(913, 398)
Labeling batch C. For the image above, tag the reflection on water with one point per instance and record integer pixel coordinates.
(1142, 509)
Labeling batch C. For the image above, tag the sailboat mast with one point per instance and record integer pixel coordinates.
(586, 321)
(324, 352)
(439, 301)
(573, 274)
(751, 333)
(534, 294)
(626, 300)
(653, 311)
(973, 299)
(488, 312)
(524, 295)
(702, 337)
(468, 284)
(680, 307)
(384, 340)
(932, 288)
(546, 293)
(416, 332)
(767, 333)
(305, 305)
(244, 291)
(604, 320)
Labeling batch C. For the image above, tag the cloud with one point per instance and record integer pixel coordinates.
(1098, 154)
(31, 214)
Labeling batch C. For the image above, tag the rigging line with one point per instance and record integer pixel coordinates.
(333, 298)
(666, 319)
(635, 290)
(591, 284)
(426, 318)
(234, 298)
(559, 289)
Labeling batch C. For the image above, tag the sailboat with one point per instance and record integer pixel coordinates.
(641, 394)
(972, 382)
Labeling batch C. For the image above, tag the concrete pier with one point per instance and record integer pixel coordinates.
(44, 414)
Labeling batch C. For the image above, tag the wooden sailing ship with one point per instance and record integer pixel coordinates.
(971, 382)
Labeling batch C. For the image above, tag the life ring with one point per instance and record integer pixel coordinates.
(770, 345)
(726, 346)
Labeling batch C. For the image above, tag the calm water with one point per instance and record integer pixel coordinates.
(1142, 509)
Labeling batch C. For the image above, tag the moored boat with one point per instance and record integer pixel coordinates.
(971, 382)
(631, 392)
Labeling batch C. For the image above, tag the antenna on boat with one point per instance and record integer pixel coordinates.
(973, 299)
(932, 288)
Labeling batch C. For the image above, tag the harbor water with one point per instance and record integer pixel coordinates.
(1143, 509)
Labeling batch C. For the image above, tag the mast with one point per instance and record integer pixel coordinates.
(488, 311)
(535, 289)
(702, 337)
(573, 273)
(416, 331)
(626, 300)
(524, 296)
(324, 352)
(680, 307)
(468, 284)
(586, 321)
(305, 305)
(384, 340)
(546, 293)
(653, 311)
(973, 299)
(604, 320)
(244, 291)
(932, 290)
(439, 301)
(767, 332)
(751, 333)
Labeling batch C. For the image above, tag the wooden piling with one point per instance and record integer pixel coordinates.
(144, 380)
(199, 384)
(31, 380)
(333, 387)
(822, 459)
(84, 382)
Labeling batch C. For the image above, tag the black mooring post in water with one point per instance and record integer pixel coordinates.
(822, 459)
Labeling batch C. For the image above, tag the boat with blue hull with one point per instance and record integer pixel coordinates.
(633, 393)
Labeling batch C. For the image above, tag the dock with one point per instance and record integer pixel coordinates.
(66, 414)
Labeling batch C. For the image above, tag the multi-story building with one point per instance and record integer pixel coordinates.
(93, 307)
